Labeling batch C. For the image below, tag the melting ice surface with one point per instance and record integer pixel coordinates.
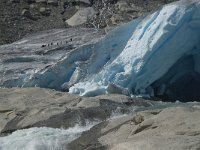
(154, 55)
(161, 56)
(41, 138)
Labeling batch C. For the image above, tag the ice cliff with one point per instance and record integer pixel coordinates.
(157, 55)
(161, 56)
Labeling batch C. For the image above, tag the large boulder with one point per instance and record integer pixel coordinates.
(81, 16)
(116, 89)
(34, 107)
(45, 11)
(175, 128)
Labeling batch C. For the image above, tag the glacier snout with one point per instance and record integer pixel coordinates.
(157, 55)
(161, 56)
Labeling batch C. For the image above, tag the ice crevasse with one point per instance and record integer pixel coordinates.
(160, 58)
(156, 55)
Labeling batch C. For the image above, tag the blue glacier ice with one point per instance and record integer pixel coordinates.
(157, 43)
(155, 55)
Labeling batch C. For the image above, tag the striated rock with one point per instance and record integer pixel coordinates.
(81, 17)
(168, 129)
(175, 128)
(34, 107)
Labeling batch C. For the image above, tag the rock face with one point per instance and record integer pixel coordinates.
(81, 16)
(114, 89)
(175, 128)
(35, 107)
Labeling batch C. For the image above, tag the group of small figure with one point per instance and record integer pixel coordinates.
(51, 44)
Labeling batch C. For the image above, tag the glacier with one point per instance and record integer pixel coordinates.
(145, 66)
(156, 55)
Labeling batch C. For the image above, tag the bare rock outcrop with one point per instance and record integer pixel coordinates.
(175, 128)
(22, 108)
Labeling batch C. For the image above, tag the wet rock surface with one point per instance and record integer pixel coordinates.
(22, 108)
(175, 128)
(122, 122)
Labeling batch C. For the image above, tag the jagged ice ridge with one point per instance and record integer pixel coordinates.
(155, 55)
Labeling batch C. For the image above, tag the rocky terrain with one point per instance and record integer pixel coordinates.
(34, 107)
(175, 128)
(50, 46)
(124, 122)
(23, 17)
(87, 61)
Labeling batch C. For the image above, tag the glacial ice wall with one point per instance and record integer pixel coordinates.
(158, 42)
(83, 62)
(156, 55)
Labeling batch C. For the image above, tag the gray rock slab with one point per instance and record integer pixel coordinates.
(81, 16)
(175, 128)
(36, 107)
